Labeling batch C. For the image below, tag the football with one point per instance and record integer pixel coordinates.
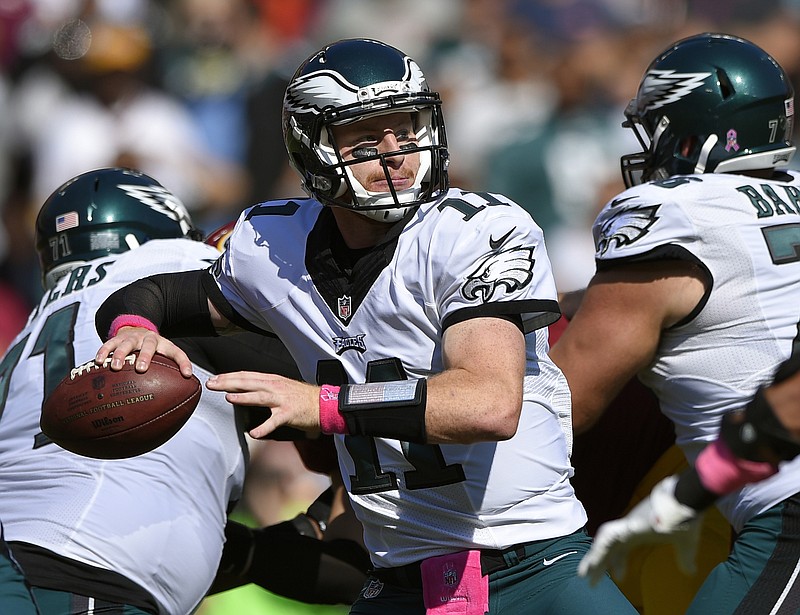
(104, 414)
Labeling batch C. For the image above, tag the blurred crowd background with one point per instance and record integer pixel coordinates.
(189, 91)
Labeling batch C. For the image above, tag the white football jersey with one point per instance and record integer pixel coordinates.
(157, 519)
(745, 233)
(464, 256)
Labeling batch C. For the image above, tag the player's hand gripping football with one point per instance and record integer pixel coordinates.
(294, 404)
(657, 519)
(146, 343)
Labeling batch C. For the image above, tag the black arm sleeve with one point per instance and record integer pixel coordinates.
(225, 308)
(176, 303)
(757, 434)
(787, 369)
(290, 564)
(690, 491)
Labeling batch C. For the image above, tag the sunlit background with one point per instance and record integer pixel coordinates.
(189, 91)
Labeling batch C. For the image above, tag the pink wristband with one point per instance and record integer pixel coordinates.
(330, 419)
(130, 320)
(721, 472)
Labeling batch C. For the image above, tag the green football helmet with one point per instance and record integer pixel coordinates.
(105, 211)
(347, 81)
(710, 103)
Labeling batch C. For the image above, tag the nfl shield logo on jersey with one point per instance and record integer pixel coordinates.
(345, 306)
(372, 589)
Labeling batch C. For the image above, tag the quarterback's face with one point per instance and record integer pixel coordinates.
(380, 135)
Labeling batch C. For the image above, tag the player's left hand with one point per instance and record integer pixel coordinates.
(294, 404)
(657, 519)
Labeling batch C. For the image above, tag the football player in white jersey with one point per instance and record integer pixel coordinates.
(139, 535)
(417, 314)
(697, 288)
